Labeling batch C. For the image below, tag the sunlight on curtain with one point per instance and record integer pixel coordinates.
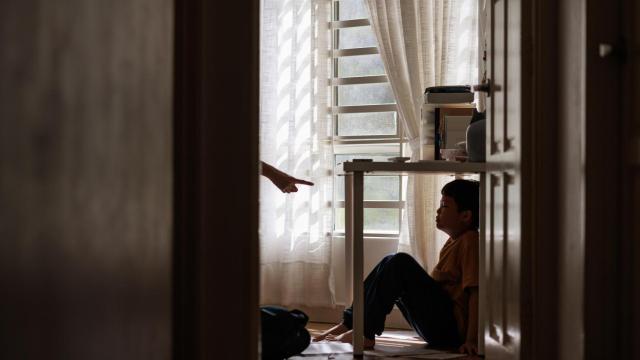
(424, 43)
(295, 229)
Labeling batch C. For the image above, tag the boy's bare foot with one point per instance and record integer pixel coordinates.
(336, 330)
(347, 337)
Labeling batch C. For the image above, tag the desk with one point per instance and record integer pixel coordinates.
(354, 212)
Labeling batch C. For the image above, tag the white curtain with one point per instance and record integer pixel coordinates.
(295, 241)
(424, 43)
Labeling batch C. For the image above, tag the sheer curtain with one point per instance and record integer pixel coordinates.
(295, 229)
(424, 43)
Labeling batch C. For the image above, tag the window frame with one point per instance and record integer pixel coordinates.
(361, 144)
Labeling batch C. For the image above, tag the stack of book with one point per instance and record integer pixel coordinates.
(448, 95)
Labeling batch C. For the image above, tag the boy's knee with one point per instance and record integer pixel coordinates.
(387, 258)
(401, 258)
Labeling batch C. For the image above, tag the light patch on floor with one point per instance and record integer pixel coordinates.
(392, 344)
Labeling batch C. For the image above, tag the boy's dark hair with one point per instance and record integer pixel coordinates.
(466, 194)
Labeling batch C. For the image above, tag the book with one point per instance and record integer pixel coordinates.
(448, 98)
(448, 89)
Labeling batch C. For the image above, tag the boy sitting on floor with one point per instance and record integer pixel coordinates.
(441, 308)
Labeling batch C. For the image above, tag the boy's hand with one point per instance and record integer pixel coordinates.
(468, 348)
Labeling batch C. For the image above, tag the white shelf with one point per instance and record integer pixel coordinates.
(435, 166)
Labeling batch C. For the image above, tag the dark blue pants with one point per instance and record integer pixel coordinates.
(399, 280)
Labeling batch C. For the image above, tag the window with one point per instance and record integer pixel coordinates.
(364, 117)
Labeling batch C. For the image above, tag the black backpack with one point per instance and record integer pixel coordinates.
(283, 332)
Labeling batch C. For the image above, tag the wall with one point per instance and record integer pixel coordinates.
(85, 179)
(630, 248)
(602, 191)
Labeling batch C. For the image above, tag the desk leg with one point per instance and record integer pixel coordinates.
(358, 264)
(348, 236)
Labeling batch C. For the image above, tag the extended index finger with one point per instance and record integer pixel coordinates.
(303, 182)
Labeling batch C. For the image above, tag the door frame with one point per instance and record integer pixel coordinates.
(539, 154)
(576, 289)
(215, 263)
(599, 180)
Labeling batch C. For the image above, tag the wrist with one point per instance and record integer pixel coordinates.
(266, 169)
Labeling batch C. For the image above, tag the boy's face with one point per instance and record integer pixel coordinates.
(449, 219)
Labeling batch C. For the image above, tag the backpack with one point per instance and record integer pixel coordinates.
(283, 332)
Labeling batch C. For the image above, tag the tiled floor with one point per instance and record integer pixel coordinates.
(391, 337)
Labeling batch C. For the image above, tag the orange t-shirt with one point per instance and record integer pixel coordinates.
(457, 270)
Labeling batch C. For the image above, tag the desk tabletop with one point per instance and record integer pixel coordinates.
(435, 166)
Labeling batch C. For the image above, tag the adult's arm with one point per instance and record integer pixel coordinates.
(285, 182)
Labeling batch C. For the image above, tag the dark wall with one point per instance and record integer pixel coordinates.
(603, 198)
(630, 175)
(85, 179)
